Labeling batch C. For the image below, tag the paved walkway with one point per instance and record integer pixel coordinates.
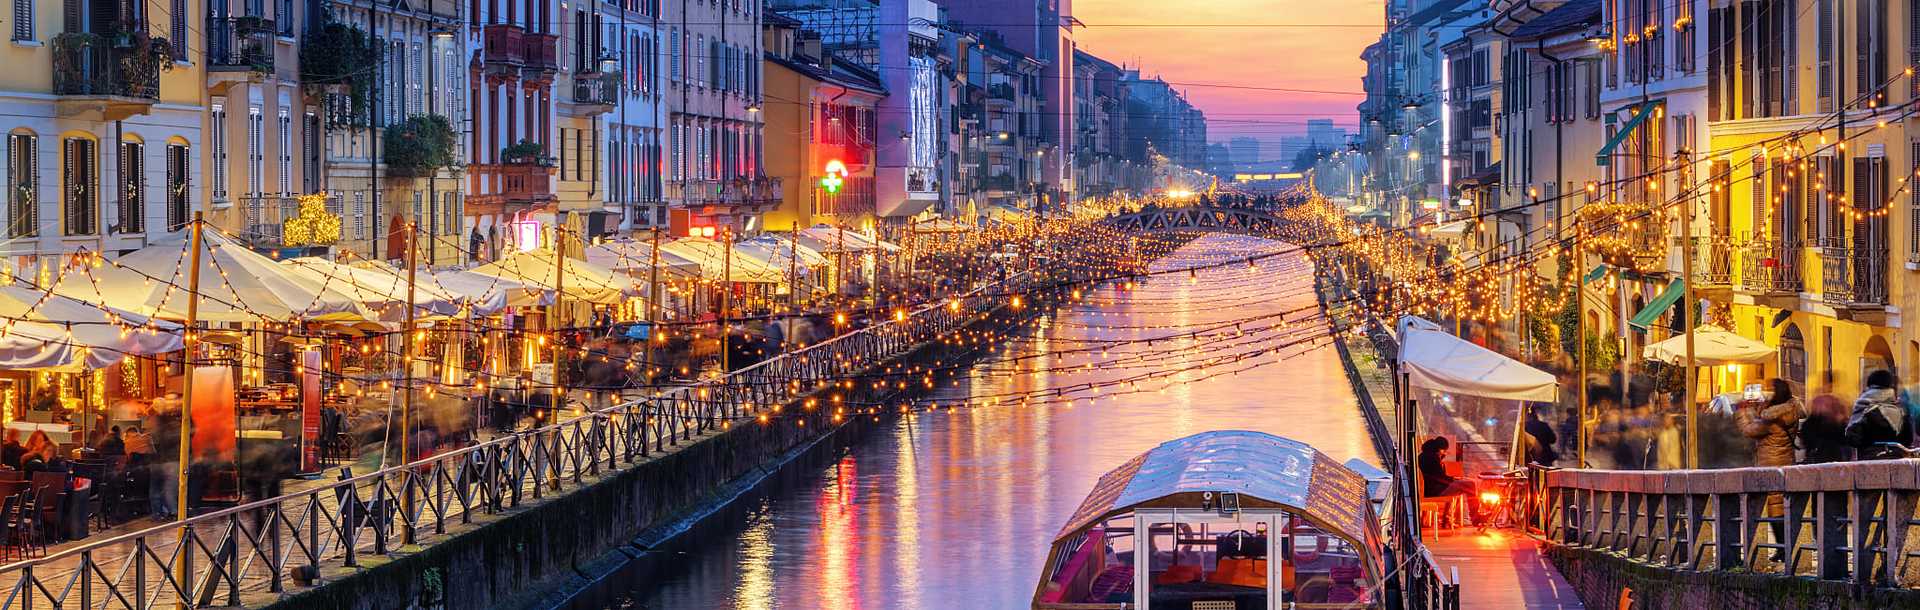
(1501, 569)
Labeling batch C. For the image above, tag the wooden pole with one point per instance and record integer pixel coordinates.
(653, 302)
(793, 269)
(726, 299)
(557, 313)
(1580, 346)
(1686, 274)
(407, 346)
(194, 244)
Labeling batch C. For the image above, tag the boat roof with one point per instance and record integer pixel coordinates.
(1267, 471)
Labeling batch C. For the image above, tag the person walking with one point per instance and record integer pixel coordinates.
(1541, 439)
(1823, 434)
(1877, 418)
(1773, 426)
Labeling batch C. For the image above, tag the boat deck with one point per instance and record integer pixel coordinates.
(1501, 569)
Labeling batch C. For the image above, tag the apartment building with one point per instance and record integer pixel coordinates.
(609, 116)
(715, 176)
(822, 132)
(106, 104)
(263, 128)
(513, 50)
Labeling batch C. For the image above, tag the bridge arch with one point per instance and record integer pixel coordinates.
(1256, 222)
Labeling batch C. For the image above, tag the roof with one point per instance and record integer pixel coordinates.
(1433, 12)
(1574, 15)
(778, 18)
(841, 74)
(1260, 467)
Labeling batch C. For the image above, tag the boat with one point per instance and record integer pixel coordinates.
(1224, 520)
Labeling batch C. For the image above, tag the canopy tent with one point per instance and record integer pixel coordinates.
(636, 257)
(583, 282)
(1451, 230)
(484, 303)
(824, 238)
(493, 289)
(1433, 359)
(1266, 471)
(48, 331)
(236, 285)
(941, 225)
(1712, 346)
(712, 257)
(382, 291)
(780, 250)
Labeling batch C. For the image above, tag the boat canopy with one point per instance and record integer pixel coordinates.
(1266, 471)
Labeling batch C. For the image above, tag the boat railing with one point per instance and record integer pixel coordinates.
(264, 548)
(1428, 586)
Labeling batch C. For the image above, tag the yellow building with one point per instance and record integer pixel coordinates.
(820, 119)
(1806, 165)
(104, 117)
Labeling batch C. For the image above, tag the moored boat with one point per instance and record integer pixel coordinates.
(1219, 520)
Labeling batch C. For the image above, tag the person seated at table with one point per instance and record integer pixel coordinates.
(112, 445)
(1435, 480)
(41, 453)
(11, 451)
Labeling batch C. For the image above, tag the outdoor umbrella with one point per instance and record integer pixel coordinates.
(489, 289)
(108, 333)
(824, 238)
(1712, 346)
(383, 291)
(635, 258)
(712, 257)
(584, 281)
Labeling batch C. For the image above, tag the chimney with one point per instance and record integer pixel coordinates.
(810, 48)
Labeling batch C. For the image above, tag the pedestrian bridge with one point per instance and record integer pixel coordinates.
(1256, 221)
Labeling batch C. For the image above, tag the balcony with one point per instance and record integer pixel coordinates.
(741, 192)
(1854, 281)
(266, 219)
(542, 57)
(119, 77)
(244, 44)
(595, 93)
(1000, 94)
(504, 49)
(999, 184)
(1713, 264)
(526, 182)
(1770, 270)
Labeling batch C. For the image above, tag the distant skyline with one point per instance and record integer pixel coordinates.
(1191, 43)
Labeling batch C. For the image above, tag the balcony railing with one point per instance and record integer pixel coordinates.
(1713, 267)
(92, 65)
(597, 92)
(240, 42)
(542, 56)
(1002, 91)
(267, 217)
(1770, 266)
(525, 182)
(1852, 276)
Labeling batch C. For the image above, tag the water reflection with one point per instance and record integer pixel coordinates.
(956, 508)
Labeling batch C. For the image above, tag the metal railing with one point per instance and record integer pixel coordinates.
(269, 545)
(1852, 521)
(1714, 266)
(1853, 275)
(90, 64)
(1770, 266)
(267, 217)
(245, 42)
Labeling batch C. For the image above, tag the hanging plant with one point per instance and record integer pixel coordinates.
(418, 146)
(344, 55)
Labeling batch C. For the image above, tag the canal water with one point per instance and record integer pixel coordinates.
(956, 507)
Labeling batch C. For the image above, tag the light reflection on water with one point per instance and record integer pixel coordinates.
(956, 509)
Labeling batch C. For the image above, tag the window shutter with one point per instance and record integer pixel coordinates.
(23, 19)
(1759, 189)
(178, 21)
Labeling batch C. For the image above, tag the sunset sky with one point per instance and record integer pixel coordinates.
(1192, 42)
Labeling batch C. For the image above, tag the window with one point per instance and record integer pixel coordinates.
(219, 139)
(310, 154)
(286, 153)
(179, 166)
(1593, 89)
(359, 214)
(177, 22)
(80, 181)
(1824, 93)
(675, 57)
(1871, 53)
(1758, 188)
(133, 188)
(1683, 28)
(450, 213)
(23, 180)
(256, 151)
(23, 20)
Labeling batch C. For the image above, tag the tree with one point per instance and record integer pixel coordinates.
(1305, 159)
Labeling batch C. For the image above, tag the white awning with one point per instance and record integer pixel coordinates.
(1712, 346)
(1433, 359)
(1451, 230)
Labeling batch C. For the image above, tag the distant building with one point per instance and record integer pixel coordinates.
(1244, 150)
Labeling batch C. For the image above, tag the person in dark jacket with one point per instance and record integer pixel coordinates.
(1823, 434)
(1436, 483)
(1542, 438)
(1878, 417)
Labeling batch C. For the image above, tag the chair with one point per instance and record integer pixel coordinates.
(1441, 510)
(10, 526)
(27, 523)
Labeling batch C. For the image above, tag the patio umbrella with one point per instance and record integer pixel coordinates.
(236, 285)
(712, 257)
(1712, 346)
(507, 292)
(482, 303)
(634, 257)
(109, 333)
(824, 238)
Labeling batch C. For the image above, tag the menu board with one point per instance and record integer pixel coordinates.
(310, 411)
(1337, 496)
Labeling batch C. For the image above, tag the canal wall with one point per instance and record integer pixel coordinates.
(1599, 577)
(560, 552)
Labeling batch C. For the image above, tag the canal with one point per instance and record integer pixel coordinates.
(955, 507)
